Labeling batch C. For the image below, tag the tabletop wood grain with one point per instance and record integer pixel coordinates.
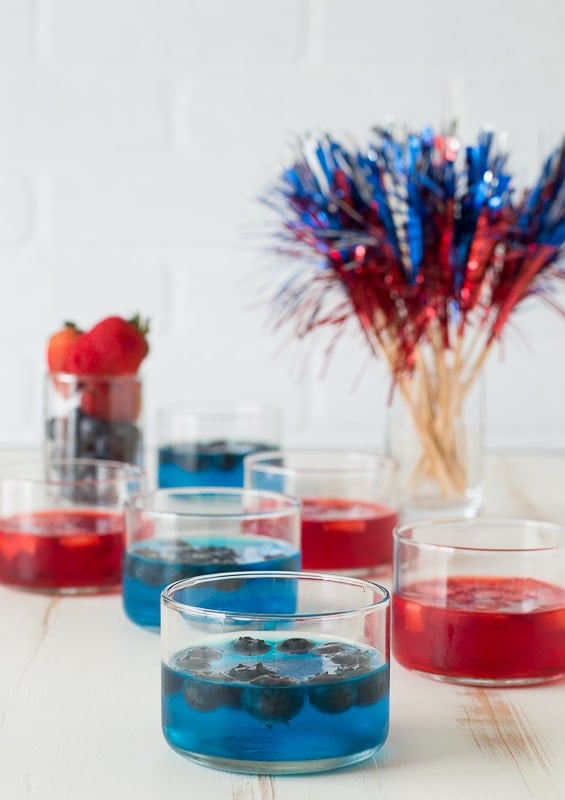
(80, 706)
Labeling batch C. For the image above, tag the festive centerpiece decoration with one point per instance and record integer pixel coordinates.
(431, 248)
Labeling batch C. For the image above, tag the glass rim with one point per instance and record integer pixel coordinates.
(174, 605)
(218, 409)
(141, 502)
(400, 534)
(122, 471)
(374, 461)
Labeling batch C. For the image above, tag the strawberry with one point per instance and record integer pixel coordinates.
(59, 345)
(118, 400)
(114, 346)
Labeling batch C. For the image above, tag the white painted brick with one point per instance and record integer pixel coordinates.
(139, 202)
(20, 407)
(176, 33)
(184, 370)
(16, 207)
(440, 34)
(525, 394)
(49, 113)
(257, 115)
(16, 31)
(80, 286)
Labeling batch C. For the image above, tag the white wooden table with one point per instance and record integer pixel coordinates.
(80, 708)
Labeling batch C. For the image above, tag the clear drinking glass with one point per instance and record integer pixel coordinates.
(62, 524)
(181, 533)
(349, 504)
(480, 601)
(205, 445)
(94, 416)
(279, 672)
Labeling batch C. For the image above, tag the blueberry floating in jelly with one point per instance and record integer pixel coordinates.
(246, 672)
(272, 698)
(171, 682)
(206, 653)
(248, 646)
(295, 646)
(208, 695)
(334, 697)
(230, 585)
(329, 649)
(372, 688)
(352, 660)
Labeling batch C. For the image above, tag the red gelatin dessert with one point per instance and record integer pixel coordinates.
(344, 534)
(481, 629)
(62, 550)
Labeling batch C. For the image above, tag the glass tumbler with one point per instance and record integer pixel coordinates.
(205, 445)
(286, 673)
(62, 524)
(349, 504)
(96, 416)
(480, 601)
(180, 533)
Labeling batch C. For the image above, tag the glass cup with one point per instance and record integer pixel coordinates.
(480, 601)
(349, 504)
(180, 533)
(96, 416)
(205, 446)
(287, 674)
(62, 524)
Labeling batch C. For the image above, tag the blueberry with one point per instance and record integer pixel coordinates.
(214, 555)
(245, 672)
(329, 648)
(207, 653)
(209, 695)
(144, 571)
(372, 688)
(333, 698)
(353, 660)
(295, 646)
(272, 698)
(248, 646)
(191, 662)
(230, 585)
(171, 682)
(89, 431)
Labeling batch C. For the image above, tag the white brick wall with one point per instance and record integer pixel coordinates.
(136, 135)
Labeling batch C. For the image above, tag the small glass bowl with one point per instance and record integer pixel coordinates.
(173, 534)
(62, 524)
(349, 504)
(205, 444)
(480, 601)
(275, 672)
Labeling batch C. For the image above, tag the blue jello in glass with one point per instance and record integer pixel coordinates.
(246, 701)
(152, 564)
(217, 463)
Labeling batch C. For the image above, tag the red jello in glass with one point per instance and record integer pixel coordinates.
(342, 534)
(481, 629)
(62, 525)
(349, 504)
(62, 550)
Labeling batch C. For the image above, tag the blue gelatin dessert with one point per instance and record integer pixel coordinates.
(151, 564)
(217, 463)
(245, 703)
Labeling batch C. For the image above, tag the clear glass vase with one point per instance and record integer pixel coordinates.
(434, 432)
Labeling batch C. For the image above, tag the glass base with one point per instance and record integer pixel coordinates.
(486, 683)
(277, 767)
